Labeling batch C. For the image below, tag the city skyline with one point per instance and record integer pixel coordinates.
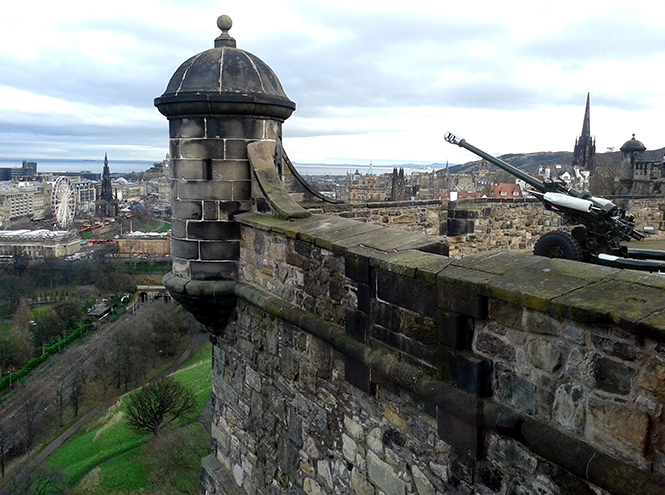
(372, 82)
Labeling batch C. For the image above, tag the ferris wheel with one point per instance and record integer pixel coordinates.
(63, 202)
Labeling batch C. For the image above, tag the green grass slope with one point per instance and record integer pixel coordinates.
(110, 458)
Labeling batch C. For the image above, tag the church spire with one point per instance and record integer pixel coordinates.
(585, 146)
(107, 188)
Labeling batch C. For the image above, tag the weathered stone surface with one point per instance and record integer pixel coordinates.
(617, 428)
(384, 476)
(543, 288)
(493, 346)
(611, 301)
(423, 484)
(360, 485)
(544, 355)
(506, 314)
(609, 375)
(516, 392)
(569, 407)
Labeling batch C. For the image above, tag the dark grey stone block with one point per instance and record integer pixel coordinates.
(231, 170)
(385, 315)
(174, 148)
(235, 128)
(458, 291)
(202, 148)
(214, 270)
(356, 324)
(357, 374)
(187, 128)
(211, 210)
(187, 210)
(356, 267)
(242, 190)
(454, 330)
(236, 149)
(205, 190)
(213, 231)
(229, 208)
(229, 250)
(466, 371)
(364, 297)
(460, 226)
(185, 249)
(178, 228)
(406, 345)
(188, 169)
(408, 293)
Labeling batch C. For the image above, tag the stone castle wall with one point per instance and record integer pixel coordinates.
(357, 365)
(476, 225)
(429, 217)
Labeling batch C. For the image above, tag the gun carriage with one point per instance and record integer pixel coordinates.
(601, 227)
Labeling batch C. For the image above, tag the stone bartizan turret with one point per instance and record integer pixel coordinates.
(217, 103)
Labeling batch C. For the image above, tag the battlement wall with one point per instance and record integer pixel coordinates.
(362, 360)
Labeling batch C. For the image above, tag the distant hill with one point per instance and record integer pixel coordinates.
(530, 162)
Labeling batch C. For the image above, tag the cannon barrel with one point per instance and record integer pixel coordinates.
(532, 181)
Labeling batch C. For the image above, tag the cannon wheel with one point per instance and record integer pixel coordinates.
(558, 244)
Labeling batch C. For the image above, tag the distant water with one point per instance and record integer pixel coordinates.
(95, 166)
(341, 169)
(126, 166)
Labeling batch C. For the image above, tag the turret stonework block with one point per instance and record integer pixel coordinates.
(205, 190)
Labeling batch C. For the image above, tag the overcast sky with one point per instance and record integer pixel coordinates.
(372, 80)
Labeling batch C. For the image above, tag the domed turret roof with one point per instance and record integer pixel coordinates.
(225, 80)
(633, 145)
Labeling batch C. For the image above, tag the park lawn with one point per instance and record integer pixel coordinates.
(105, 455)
(196, 375)
(37, 310)
(122, 474)
(89, 448)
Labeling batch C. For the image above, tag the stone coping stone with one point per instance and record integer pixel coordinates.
(534, 289)
(611, 300)
(414, 264)
(381, 204)
(575, 269)
(642, 278)
(497, 261)
(341, 234)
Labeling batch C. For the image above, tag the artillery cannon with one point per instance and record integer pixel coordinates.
(601, 225)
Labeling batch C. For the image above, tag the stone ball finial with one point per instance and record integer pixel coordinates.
(224, 23)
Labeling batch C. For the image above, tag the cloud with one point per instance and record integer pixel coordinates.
(369, 76)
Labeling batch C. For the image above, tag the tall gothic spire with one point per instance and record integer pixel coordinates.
(107, 192)
(585, 146)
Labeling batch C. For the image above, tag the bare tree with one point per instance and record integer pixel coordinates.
(4, 444)
(158, 404)
(44, 481)
(604, 180)
(33, 417)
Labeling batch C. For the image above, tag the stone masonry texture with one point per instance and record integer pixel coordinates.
(578, 381)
